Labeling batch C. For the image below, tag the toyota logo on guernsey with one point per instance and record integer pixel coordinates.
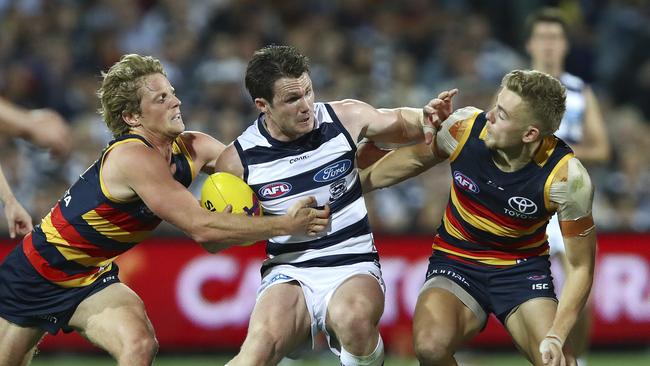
(465, 183)
(333, 171)
(275, 190)
(522, 206)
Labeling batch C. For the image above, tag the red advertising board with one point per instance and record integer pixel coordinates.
(198, 300)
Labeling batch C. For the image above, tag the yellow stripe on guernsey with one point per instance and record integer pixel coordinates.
(179, 147)
(68, 252)
(551, 177)
(488, 225)
(451, 229)
(466, 133)
(112, 231)
(85, 281)
(101, 168)
(487, 260)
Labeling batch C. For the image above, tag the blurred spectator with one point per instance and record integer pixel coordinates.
(388, 53)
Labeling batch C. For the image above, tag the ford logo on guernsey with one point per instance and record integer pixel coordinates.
(465, 183)
(333, 171)
(275, 190)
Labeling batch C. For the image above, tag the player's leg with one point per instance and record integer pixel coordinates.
(280, 322)
(353, 315)
(114, 319)
(17, 344)
(528, 325)
(441, 323)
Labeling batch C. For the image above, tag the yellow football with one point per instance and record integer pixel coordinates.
(222, 189)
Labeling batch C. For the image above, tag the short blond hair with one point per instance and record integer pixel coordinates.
(544, 97)
(120, 89)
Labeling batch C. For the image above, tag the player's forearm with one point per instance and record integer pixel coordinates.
(574, 297)
(6, 194)
(13, 119)
(225, 230)
(397, 166)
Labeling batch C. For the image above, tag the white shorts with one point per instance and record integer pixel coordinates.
(555, 240)
(318, 285)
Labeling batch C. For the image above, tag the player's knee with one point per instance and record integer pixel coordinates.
(140, 348)
(433, 348)
(354, 328)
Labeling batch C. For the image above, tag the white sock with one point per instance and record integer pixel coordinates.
(376, 358)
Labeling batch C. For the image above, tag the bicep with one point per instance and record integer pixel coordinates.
(399, 125)
(161, 193)
(230, 162)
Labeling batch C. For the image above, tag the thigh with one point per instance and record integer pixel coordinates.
(281, 314)
(360, 296)
(17, 343)
(528, 325)
(112, 317)
(440, 316)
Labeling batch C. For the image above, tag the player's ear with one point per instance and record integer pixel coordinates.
(262, 105)
(131, 119)
(531, 134)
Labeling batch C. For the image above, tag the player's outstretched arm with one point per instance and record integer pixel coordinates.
(18, 220)
(572, 192)
(43, 127)
(397, 125)
(142, 170)
(409, 161)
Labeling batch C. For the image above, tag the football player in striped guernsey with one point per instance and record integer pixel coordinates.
(510, 174)
(62, 276)
(582, 127)
(297, 148)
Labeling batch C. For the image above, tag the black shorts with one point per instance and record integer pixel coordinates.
(497, 290)
(29, 300)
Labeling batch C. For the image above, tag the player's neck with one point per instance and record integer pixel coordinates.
(275, 131)
(163, 144)
(553, 69)
(512, 159)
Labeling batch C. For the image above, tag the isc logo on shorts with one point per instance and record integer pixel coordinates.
(540, 286)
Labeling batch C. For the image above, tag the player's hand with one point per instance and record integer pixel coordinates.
(48, 129)
(307, 219)
(18, 220)
(435, 112)
(551, 350)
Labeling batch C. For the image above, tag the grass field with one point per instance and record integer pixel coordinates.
(596, 358)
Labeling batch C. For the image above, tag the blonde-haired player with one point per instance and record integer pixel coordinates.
(510, 174)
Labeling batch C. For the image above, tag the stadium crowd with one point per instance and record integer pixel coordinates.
(387, 53)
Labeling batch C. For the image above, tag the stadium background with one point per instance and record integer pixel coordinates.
(384, 52)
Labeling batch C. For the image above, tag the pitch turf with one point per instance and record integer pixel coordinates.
(599, 358)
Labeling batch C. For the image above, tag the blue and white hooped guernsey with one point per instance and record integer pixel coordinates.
(572, 125)
(320, 164)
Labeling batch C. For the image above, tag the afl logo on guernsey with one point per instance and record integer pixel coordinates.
(333, 171)
(275, 190)
(465, 183)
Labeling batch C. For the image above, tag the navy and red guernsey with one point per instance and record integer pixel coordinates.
(497, 218)
(87, 229)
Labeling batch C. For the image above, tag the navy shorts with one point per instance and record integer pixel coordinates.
(497, 290)
(29, 300)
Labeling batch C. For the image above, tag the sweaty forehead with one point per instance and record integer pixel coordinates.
(155, 83)
(289, 85)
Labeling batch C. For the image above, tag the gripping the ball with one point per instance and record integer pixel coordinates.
(222, 189)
